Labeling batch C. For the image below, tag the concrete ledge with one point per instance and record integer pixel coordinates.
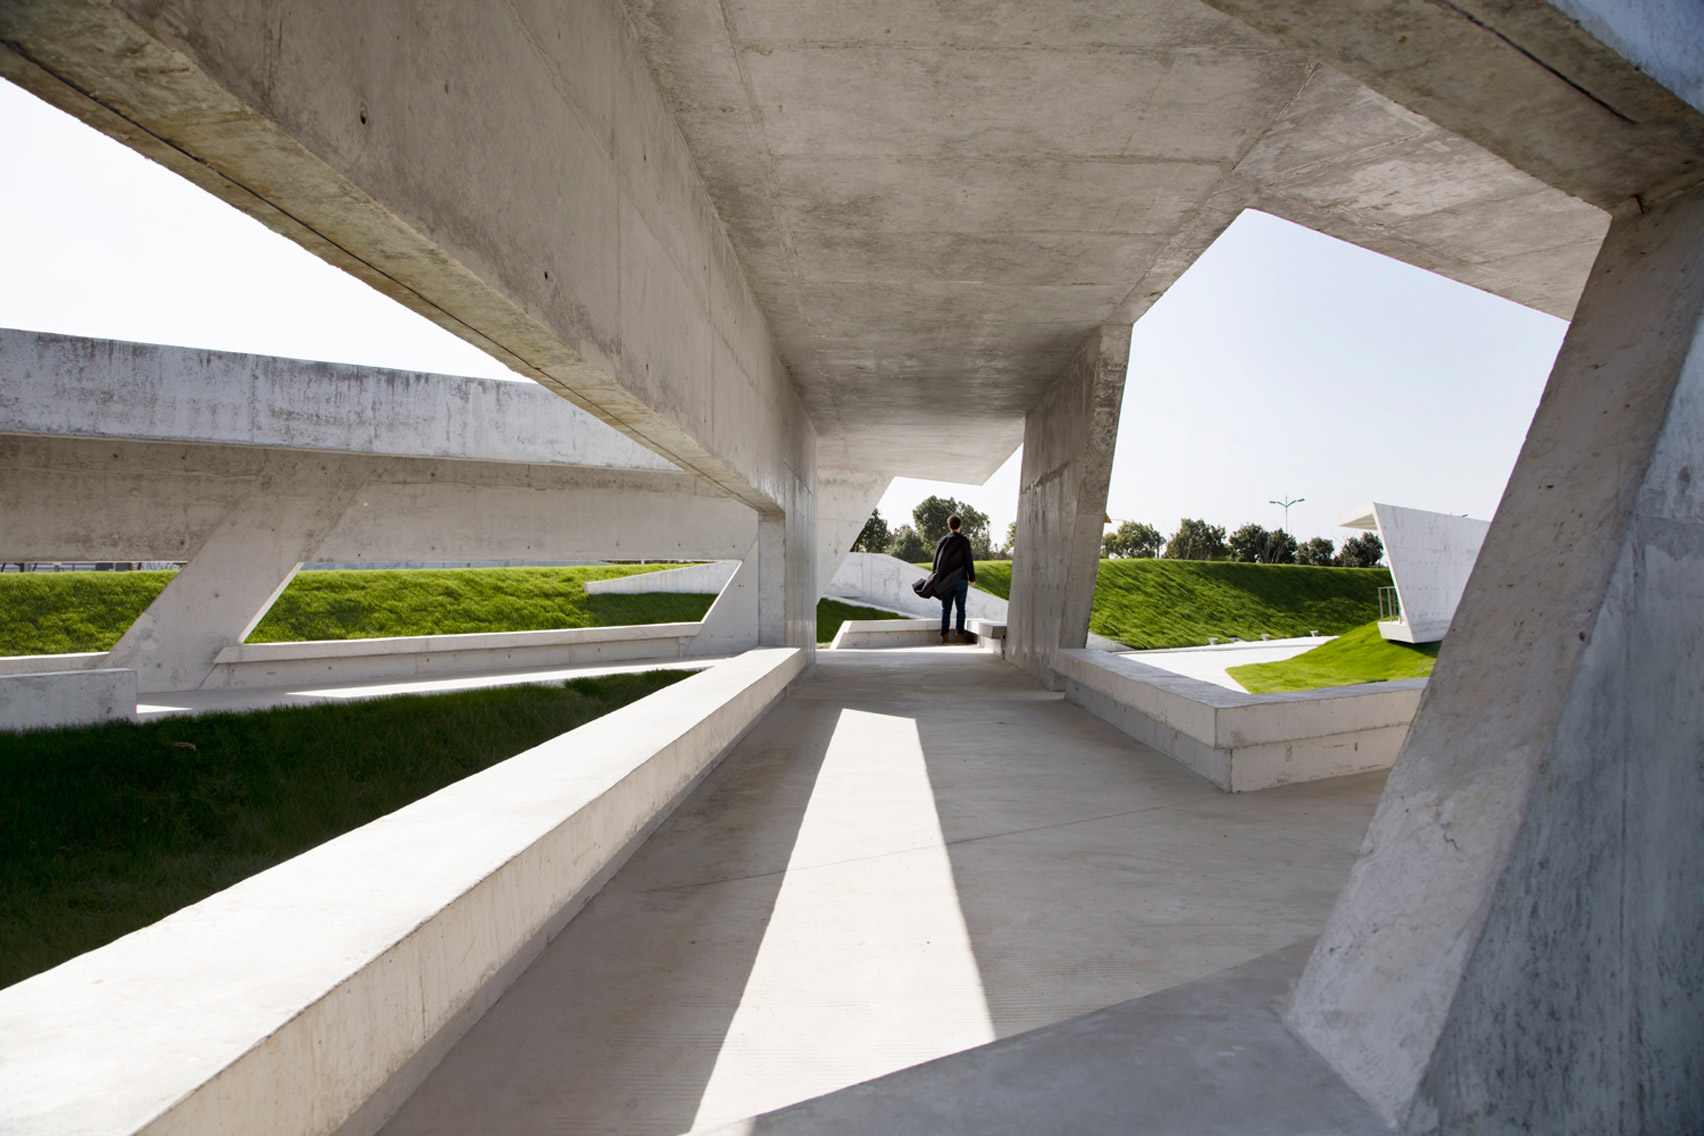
(323, 660)
(694, 579)
(52, 699)
(865, 633)
(990, 634)
(1242, 742)
(314, 995)
(48, 664)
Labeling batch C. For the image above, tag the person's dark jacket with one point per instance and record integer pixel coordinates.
(953, 562)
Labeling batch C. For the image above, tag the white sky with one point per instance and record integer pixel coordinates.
(1284, 363)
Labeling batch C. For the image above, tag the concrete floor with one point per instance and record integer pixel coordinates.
(917, 852)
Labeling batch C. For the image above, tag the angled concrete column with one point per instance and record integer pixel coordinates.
(1518, 948)
(235, 575)
(845, 500)
(1068, 443)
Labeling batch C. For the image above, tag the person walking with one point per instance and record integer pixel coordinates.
(953, 558)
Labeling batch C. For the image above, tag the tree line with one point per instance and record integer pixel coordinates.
(1251, 544)
(1194, 540)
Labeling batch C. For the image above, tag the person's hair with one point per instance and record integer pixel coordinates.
(955, 522)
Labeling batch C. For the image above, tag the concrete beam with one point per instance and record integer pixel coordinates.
(1529, 80)
(595, 265)
(1067, 470)
(70, 386)
(1517, 949)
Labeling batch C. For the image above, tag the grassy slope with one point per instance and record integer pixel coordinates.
(106, 829)
(380, 603)
(1182, 603)
(1361, 655)
(45, 613)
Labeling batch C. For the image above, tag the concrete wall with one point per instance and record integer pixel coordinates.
(886, 581)
(694, 579)
(1431, 556)
(312, 997)
(1067, 468)
(80, 697)
(1516, 949)
(1243, 742)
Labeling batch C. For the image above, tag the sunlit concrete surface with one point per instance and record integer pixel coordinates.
(263, 698)
(916, 852)
(1209, 664)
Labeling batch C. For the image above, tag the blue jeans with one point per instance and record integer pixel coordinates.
(956, 596)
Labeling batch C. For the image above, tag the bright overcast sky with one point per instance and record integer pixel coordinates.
(1284, 363)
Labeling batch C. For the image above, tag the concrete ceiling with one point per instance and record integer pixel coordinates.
(936, 201)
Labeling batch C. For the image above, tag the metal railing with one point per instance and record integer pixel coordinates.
(1390, 606)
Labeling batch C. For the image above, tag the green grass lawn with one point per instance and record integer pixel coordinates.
(44, 613)
(1150, 604)
(106, 829)
(832, 613)
(1357, 656)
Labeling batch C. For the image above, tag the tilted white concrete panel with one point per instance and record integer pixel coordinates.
(699, 579)
(49, 699)
(1431, 556)
(887, 580)
(1243, 742)
(315, 994)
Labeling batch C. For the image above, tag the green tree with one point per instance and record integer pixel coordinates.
(1011, 540)
(875, 537)
(1280, 548)
(931, 515)
(908, 546)
(1364, 551)
(1246, 544)
(1197, 540)
(1318, 552)
(1132, 539)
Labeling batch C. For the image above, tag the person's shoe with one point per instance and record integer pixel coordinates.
(966, 637)
(943, 638)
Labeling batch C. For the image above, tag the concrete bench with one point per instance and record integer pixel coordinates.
(1242, 742)
(313, 997)
(865, 633)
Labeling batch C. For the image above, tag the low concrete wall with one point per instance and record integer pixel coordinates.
(66, 698)
(861, 633)
(694, 579)
(1242, 742)
(47, 664)
(313, 997)
(354, 660)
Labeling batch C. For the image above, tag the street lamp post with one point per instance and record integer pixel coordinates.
(1285, 505)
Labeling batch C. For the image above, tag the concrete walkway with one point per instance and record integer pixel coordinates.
(916, 852)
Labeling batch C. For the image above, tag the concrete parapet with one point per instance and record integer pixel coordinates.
(1243, 742)
(312, 997)
(694, 579)
(50, 699)
(347, 660)
(44, 664)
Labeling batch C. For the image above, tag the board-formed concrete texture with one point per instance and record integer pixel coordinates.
(51, 699)
(796, 248)
(1239, 741)
(1431, 556)
(328, 984)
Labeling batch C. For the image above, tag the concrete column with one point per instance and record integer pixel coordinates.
(1068, 444)
(232, 579)
(1518, 947)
